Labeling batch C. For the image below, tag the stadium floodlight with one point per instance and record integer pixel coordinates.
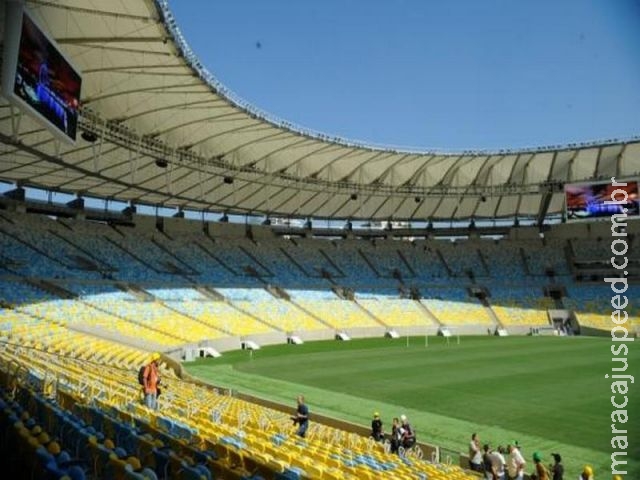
(354, 196)
(228, 180)
(129, 211)
(17, 193)
(161, 163)
(77, 203)
(89, 136)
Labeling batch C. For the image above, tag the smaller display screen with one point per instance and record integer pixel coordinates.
(586, 201)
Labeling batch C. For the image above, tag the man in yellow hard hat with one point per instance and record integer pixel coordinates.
(587, 473)
(376, 428)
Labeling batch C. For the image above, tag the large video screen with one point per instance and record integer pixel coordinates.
(588, 200)
(42, 78)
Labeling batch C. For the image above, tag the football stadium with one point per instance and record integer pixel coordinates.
(191, 288)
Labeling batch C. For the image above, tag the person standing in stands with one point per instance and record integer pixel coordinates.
(587, 473)
(396, 435)
(541, 472)
(151, 380)
(408, 435)
(516, 463)
(487, 463)
(557, 469)
(302, 417)
(475, 453)
(498, 463)
(376, 428)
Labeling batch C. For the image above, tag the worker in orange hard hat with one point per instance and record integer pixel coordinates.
(151, 381)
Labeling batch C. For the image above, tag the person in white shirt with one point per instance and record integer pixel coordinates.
(498, 463)
(516, 463)
(408, 434)
(475, 454)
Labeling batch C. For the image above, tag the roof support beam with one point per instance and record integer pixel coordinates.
(360, 165)
(178, 106)
(544, 206)
(419, 171)
(134, 68)
(619, 161)
(389, 169)
(57, 161)
(194, 121)
(146, 53)
(254, 124)
(106, 40)
(92, 11)
(271, 136)
(151, 89)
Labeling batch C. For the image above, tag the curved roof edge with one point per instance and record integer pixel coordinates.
(203, 72)
(154, 130)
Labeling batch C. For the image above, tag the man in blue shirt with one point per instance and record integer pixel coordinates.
(302, 417)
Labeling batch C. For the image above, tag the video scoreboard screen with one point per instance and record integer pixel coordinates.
(37, 77)
(600, 200)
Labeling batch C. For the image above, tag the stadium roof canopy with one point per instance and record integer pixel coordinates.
(147, 98)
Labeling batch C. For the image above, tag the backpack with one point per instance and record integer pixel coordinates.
(141, 374)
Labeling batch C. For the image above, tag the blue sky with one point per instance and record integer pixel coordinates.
(452, 74)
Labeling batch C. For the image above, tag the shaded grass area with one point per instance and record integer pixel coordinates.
(548, 393)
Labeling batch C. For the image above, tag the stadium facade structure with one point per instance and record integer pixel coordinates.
(107, 287)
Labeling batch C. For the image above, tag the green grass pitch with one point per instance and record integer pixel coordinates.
(548, 393)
